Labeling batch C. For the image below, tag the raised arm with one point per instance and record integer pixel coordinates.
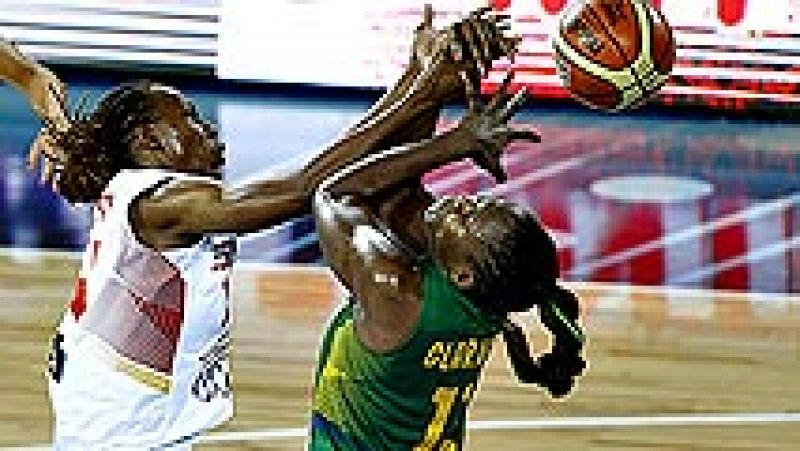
(441, 62)
(482, 134)
(47, 97)
(374, 258)
(468, 46)
(345, 203)
(176, 215)
(406, 114)
(44, 90)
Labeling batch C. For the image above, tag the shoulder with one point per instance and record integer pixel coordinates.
(165, 205)
(178, 188)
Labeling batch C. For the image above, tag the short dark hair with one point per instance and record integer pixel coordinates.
(98, 146)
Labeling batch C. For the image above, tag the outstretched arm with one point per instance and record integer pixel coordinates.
(481, 134)
(176, 215)
(411, 114)
(375, 258)
(440, 63)
(345, 201)
(47, 96)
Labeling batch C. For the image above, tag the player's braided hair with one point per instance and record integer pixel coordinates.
(516, 269)
(98, 145)
(515, 263)
(558, 369)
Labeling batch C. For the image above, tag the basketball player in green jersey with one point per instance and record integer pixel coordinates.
(432, 284)
(149, 126)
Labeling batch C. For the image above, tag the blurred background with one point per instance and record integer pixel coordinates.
(698, 189)
(679, 223)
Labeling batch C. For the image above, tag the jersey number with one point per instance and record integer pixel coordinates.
(443, 399)
(56, 358)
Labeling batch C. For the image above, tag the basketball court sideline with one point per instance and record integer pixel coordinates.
(660, 377)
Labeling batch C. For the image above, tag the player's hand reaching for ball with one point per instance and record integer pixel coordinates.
(480, 39)
(489, 128)
(464, 50)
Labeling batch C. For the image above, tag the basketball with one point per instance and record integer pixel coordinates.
(613, 55)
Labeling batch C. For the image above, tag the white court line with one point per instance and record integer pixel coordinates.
(721, 419)
(32, 253)
(751, 257)
(678, 292)
(549, 423)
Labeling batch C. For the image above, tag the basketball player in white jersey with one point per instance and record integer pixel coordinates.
(140, 359)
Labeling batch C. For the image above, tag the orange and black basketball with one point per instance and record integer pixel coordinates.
(613, 54)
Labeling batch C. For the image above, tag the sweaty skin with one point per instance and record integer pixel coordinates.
(353, 208)
(176, 216)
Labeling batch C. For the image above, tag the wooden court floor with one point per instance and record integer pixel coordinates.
(652, 352)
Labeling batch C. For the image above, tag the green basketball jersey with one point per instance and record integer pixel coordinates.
(412, 398)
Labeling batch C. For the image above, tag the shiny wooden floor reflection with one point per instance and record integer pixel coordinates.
(652, 352)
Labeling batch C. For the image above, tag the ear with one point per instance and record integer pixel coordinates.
(462, 276)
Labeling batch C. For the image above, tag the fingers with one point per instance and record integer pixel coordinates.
(494, 27)
(427, 16)
(58, 94)
(512, 106)
(486, 43)
(501, 95)
(478, 44)
(52, 170)
(466, 52)
(481, 39)
(513, 134)
(33, 155)
(472, 94)
(475, 51)
(48, 170)
(47, 94)
(489, 160)
(57, 102)
(482, 10)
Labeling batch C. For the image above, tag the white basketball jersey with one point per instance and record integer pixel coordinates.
(143, 361)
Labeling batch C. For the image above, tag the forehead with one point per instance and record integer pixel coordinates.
(466, 218)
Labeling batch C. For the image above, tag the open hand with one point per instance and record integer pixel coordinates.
(464, 50)
(489, 126)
